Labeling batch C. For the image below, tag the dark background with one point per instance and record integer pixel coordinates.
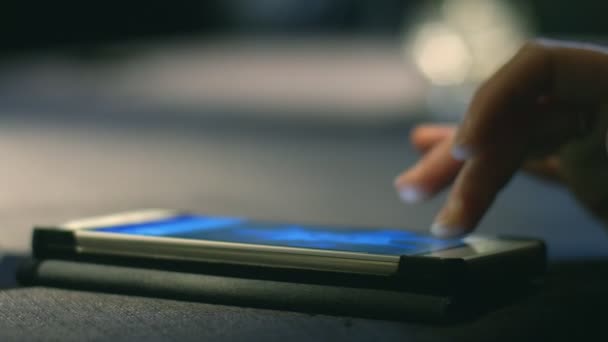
(26, 26)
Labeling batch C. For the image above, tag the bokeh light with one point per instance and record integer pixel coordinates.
(456, 44)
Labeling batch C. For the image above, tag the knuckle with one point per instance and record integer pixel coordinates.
(532, 45)
(534, 49)
(534, 55)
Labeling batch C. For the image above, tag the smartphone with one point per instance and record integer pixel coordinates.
(389, 253)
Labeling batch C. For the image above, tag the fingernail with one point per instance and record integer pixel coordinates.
(444, 231)
(462, 153)
(412, 194)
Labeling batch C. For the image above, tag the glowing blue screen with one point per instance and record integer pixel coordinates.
(233, 229)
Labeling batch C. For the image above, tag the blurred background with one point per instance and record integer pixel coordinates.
(280, 109)
(332, 59)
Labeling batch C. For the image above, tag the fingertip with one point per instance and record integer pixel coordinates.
(412, 194)
(446, 231)
(426, 136)
(452, 220)
(461, 152)
(409, 192)
(399, 181)
(420, 139)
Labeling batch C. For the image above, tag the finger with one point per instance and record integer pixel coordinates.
(486, 172)
(430, 175)
(496, 134)
(424, 137)
(547, 169)
(476, 186)
(571, 73)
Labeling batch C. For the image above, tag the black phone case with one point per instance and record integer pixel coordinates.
(262, 293)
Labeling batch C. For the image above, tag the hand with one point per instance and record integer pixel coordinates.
(546, 111)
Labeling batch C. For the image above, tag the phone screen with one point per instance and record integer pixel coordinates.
(233, 229)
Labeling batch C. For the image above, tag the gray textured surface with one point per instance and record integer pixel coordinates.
(41, 313)
(571, 306)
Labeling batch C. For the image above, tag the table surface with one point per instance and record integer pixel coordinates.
(60, 168)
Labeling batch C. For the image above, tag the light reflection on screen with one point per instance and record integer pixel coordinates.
(234, 229)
